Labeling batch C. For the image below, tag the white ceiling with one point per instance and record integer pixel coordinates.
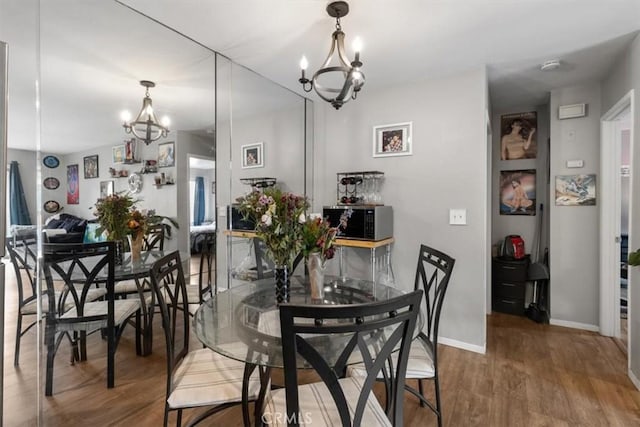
(95, 51)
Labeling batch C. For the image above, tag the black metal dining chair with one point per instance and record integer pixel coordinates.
(432, 276)
(200, 378)
(71, 274)
(22, 252)
(154, 238)
(374, 329)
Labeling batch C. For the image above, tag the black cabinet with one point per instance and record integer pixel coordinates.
(509, 285)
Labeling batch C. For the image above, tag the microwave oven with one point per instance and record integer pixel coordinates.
(237, 222)
(364, 223)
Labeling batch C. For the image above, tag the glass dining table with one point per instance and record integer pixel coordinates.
(243, 322)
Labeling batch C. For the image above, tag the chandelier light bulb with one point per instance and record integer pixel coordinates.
(165, 121)
(357, 45)
(304, 63)
(125, 116)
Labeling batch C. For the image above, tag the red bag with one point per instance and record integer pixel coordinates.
(512, 247)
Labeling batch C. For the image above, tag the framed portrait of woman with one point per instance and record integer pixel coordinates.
(252, 155)
(518, 136)
(392, 140)
(518, 192)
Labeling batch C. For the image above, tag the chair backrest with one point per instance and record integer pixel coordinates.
(167, 281)
(432, 276)
(81, 267)
(23, 254)
(206, 277)
(375, 329)
(154, 239)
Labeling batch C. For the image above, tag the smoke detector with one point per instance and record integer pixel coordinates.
(552, 64)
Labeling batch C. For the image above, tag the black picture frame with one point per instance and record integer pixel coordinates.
(91, 169)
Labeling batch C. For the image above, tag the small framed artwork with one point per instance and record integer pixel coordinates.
(576, 190)
(106, 189)
(392, 140)
(119, 153)
(91, 167)
(252, 156)
(73, 186)
(166, 155)
(518, 192)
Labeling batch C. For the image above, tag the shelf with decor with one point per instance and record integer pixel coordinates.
(259, 182)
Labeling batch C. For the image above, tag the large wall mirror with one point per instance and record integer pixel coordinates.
(74, 67)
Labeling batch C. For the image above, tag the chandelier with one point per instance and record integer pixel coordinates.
(146, 126)
(339, 83)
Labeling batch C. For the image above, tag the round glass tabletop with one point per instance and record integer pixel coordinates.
(243, 323)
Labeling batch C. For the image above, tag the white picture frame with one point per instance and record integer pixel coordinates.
(393, 140)
(252, 155)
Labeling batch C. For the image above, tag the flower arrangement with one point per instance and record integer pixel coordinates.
(319, 236)
(113, 214)
(119, 217)
(279, 218)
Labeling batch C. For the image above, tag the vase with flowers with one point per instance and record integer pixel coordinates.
(279, 217)
(319, 238)
(113, 214)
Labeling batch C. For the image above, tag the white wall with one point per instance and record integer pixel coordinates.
(574, 253)
(625, 76)
(448, 169)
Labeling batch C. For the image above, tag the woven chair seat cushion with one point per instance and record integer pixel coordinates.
(208, 378)
(32, 306)
(317, 406)
(123, 309)
(419, 365)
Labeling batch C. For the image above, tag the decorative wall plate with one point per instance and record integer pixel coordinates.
(51, 162)
(135, 183)
(51, 183)
(51, 206)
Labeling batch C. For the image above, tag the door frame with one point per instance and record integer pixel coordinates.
(610, 195)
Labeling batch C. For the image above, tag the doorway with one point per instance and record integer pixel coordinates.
(615, 211)
(202, 206)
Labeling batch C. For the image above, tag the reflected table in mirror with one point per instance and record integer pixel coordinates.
(243, 323)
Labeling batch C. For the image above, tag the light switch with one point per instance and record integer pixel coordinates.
(458, 216)
(575, 163)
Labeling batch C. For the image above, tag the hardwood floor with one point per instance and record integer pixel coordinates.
(532, 375)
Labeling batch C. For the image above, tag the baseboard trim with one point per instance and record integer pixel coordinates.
(634, 379)
(574, 325)
(463, 345)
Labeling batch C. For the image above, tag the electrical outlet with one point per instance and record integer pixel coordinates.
(458, 216)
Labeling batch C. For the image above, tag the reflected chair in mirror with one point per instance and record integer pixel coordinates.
(207, 285)
(373, 330)
(200, 378)
(71, 274)
(22, 252)
(154, 238)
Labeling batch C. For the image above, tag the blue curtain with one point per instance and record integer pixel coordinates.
(198, 202)
(18, 209)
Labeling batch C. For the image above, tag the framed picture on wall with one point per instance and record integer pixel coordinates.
(518, 136)
(91, 167)
(118, 153)
(252, 155)
(166, 155)
(576, 190)
(106, 189)
(392, 140)
(73, 186)
(518, 192)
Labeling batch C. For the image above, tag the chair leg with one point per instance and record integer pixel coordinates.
(166, 414)
(16, 357)
(436, 383)
(139, 333)
(179, 418)
(50, 339)
(421, 390)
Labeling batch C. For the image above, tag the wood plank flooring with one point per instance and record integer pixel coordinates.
(532, 375)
